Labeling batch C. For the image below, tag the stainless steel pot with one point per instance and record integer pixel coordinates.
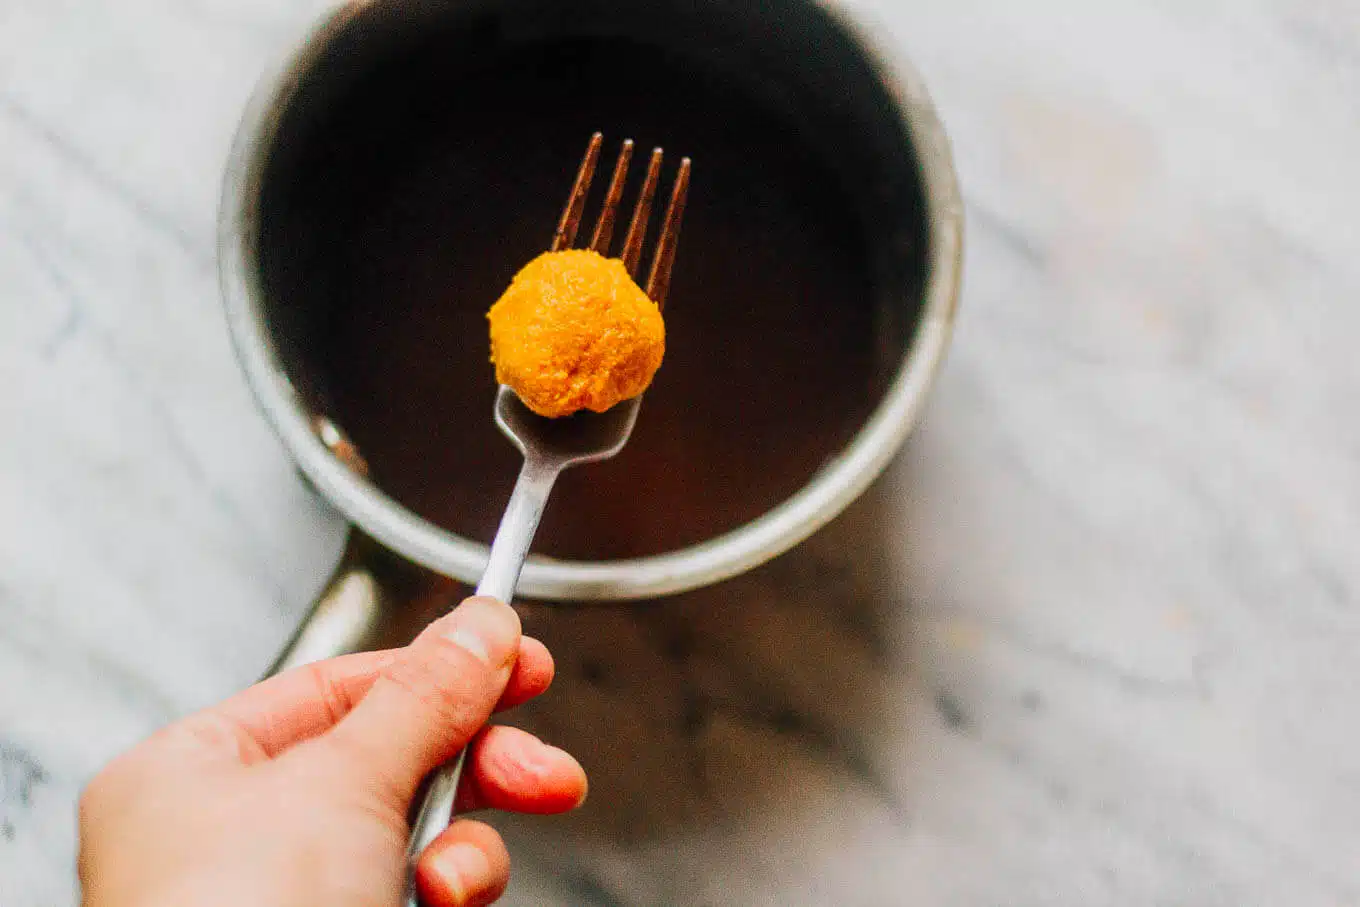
(830, 56)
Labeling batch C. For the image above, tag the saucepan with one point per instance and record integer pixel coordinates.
(408, 155)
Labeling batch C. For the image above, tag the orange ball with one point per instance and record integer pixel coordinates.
(575, 332)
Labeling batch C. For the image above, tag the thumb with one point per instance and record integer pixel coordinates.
(430, 701)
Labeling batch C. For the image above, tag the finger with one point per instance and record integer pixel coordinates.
(431, 699)
(309, 700)
(533, 674)
(306, 701)
(466, 866)
(257, 723)
(513, 770)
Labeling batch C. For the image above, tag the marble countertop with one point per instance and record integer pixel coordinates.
(1098, 623)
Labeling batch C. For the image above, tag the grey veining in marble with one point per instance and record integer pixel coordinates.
(1092, 640)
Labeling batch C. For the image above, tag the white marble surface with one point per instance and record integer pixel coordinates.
(1092, 640)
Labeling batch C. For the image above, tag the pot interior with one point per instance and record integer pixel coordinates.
(424, 157)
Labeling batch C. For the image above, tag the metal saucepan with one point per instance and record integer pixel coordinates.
(409, 153)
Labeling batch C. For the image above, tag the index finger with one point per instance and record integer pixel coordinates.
(309, 700)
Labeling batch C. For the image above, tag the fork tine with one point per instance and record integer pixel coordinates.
(659, 283)
(576, 203)
(604, 227)
(637, 230)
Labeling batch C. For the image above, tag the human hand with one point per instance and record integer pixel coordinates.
(296, 791)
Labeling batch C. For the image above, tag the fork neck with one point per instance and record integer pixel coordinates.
(518, 525)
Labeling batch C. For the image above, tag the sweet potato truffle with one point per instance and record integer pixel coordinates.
(575, 332)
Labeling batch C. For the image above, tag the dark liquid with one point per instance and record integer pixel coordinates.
(438, 180)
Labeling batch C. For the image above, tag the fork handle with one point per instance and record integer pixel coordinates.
(508, 551)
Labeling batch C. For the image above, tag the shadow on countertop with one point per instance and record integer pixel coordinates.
(723, 712)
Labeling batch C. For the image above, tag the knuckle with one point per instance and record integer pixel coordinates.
(214, 733)
(333, 696)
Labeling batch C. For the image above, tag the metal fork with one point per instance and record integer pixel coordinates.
(552, 445)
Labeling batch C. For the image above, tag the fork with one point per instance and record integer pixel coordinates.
(552, 445)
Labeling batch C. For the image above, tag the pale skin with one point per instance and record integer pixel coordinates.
(295, 792)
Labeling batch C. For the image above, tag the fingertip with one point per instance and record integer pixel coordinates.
(488, 629)
(532, 675)
(515, 771)
(466, 866)
(485, 601)
(537, 659)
